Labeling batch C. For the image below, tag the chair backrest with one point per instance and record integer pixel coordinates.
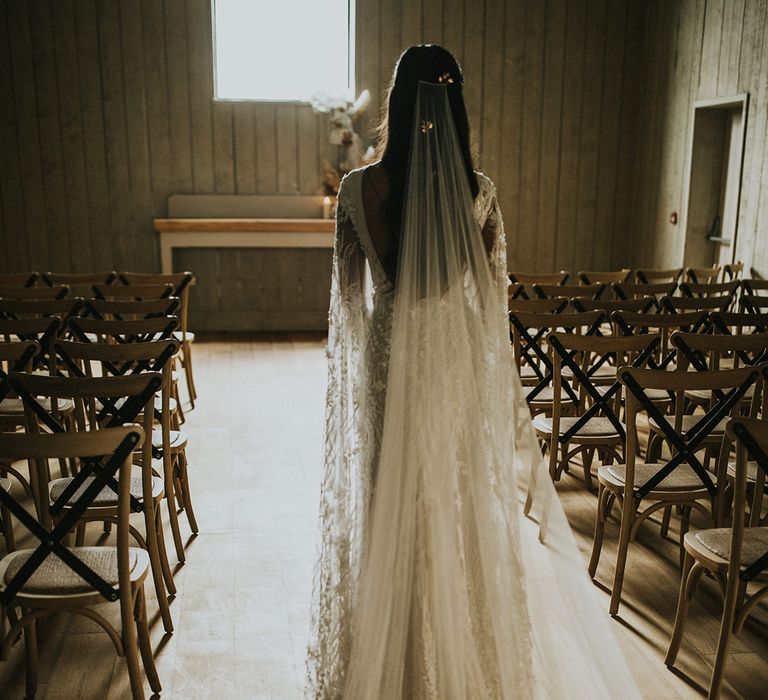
(632, 323)
(732, 271)
(123, 331)
(584, 355)
(702, 275)
(653, 276)
(731, 385)
(692, 289)
(627, 290)
(751, 438)
(739, 322)
(79, 278)
(753, 304)
(557, 305)
(638, 305)
(110, 452)
(755, 287)
(37, 308)
(706, 352)
(569, 291)
(15, 357)
(529, 335)
(44, 330)
(539, 277)
(676, 305)
(182, 283)
(60, 291)
(136, 292)
(128, 309)
(604, 277)
(19, 279)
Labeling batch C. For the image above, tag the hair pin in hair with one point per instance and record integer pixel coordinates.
(426, 125)
(445, 78)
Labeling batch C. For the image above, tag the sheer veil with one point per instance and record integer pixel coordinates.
(437, 586)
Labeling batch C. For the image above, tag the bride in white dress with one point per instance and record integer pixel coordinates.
(430, 583)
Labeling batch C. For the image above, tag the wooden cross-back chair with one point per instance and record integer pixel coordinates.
(656, 484)
(736, 557)
(60, 291)
(658, 276)
(693, 290)
(570, 291)
(529, 331)
(36, 308)
(702, 275)
(755, 287)
(604, 277)
(130, 309)
(738, 323)
(628, 290)
(135, 292)
(19, 279)
(168, 442)
(182, 283)
(716, 303)
(81, 282)
(595, 426)
(119, 400)
(523, 281)
(733, 271)
(639, 305)
(53, 577)
(753, 304)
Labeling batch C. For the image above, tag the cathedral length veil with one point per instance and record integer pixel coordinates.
(430, 583)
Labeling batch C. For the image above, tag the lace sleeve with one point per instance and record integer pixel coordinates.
(343, 490)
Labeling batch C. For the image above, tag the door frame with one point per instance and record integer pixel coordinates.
(728, 102)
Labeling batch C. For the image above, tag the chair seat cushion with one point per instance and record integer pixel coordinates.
(179, 335)
(704, 396)
(751, 471)
(178, 439)
(547, 395)
(598, 426)
(718, 540)
(13, 407)
(689, 422)
(682, 478)
(53, 576)
(106, 497)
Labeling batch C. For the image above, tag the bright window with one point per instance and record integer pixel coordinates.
(283, 50)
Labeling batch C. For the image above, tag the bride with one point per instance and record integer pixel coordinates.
(430, 583)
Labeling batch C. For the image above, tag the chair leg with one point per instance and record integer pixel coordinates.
(173, 517)
(145, 644)
(687, 580)
(186, 496)
(726, 631)
(187, 364)
(157, 569)
(597, 542)
(30, 654)
(627, 513)
(10, 540)
(130, 647)
(170, 584)
(665, 518)
(685, 521)
(554, 449)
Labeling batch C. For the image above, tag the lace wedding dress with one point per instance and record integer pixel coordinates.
(430, 584)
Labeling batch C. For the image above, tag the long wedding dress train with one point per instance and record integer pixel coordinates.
(430, 583)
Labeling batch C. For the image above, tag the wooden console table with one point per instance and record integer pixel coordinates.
(241, 233)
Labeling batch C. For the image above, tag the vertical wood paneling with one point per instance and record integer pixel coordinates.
(719, 50)
(109, 110)
(51, 156)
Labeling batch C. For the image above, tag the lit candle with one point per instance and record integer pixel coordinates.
(326, 207)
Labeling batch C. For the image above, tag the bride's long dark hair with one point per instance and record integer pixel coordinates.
(433, 64)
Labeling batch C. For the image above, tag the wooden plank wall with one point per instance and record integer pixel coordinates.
(105, 110)
(698, 49)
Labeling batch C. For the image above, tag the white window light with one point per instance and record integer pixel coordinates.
(283, 50)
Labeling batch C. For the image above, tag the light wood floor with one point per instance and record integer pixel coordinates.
(241, 613)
